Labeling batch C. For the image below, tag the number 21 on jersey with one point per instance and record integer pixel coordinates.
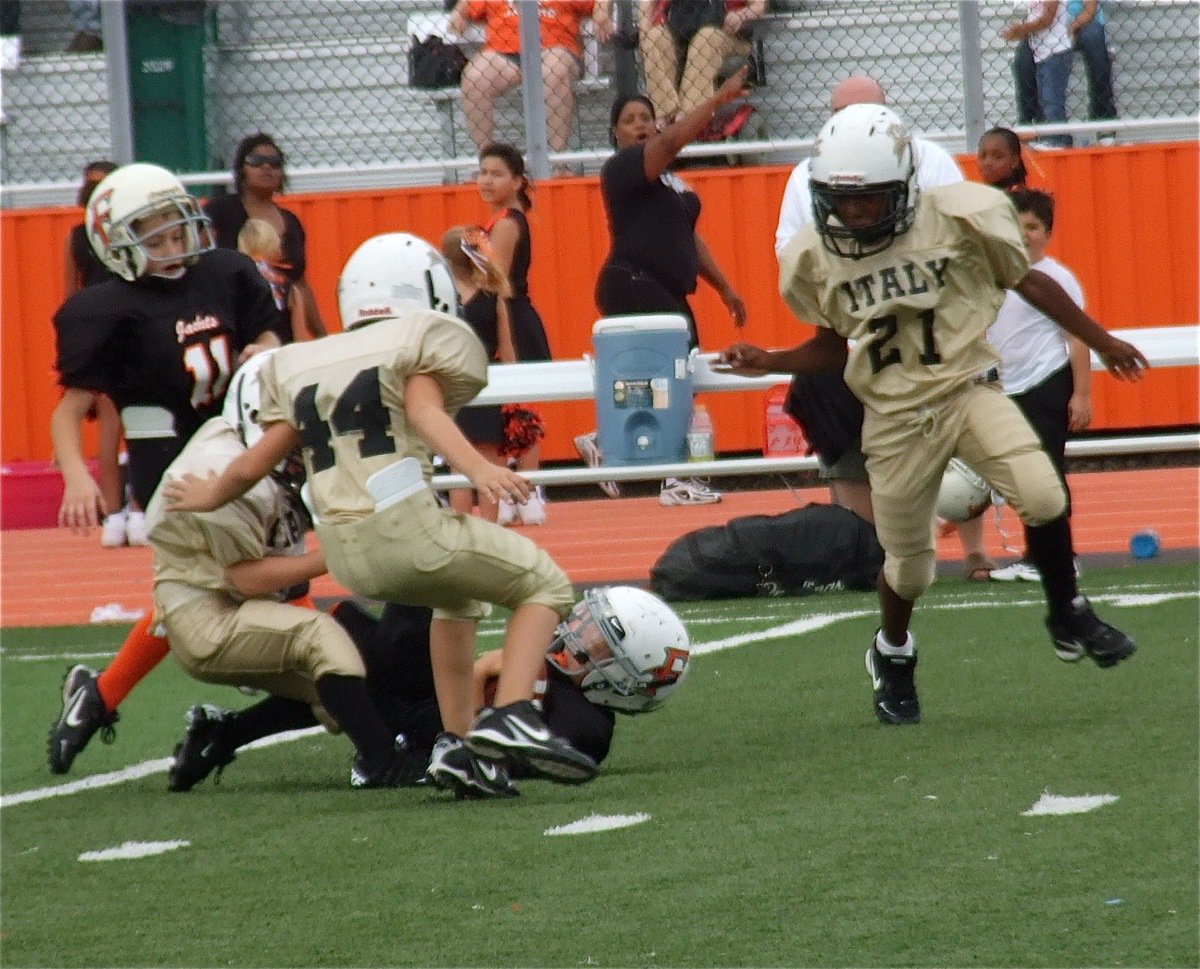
(883, 330)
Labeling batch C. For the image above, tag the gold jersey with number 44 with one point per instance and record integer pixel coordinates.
(345, 395)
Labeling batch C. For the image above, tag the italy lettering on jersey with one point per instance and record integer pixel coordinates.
(918, 312)
(345, 396)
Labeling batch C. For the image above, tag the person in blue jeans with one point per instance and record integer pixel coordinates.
(1085, 23)
(1044, 53)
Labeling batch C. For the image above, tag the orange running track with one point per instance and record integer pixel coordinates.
(49, 577)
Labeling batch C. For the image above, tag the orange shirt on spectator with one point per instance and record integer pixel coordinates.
(558, 21)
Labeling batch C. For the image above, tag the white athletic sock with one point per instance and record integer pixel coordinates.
(887, 649)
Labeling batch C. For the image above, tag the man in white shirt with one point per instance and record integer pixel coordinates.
(934, 164)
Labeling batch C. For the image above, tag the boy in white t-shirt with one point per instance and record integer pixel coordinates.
(1046, 371)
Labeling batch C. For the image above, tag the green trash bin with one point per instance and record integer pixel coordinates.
(166, 82)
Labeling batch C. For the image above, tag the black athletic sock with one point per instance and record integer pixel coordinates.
(1050, 549)
(345, 699)
(273, 715)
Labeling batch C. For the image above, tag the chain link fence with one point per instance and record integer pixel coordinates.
(351, 89)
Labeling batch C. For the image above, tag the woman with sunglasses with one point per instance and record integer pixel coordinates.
(258, 177)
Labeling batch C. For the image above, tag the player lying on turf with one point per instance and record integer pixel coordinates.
(620, 649)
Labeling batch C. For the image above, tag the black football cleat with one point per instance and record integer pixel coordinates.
(518, 732)
(400, 768)
(455, 768)
(895, 689)
(202, 749)
(83, 713)
(1082, 633)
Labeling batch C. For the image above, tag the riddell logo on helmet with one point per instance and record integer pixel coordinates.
(371, 312)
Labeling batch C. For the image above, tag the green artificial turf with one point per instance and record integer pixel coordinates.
(786, 827)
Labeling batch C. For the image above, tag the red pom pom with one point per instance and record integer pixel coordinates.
(523, 428)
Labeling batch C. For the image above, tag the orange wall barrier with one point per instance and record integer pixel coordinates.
(1126, 223)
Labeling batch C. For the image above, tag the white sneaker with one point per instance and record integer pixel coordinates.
(1019, 571)
(533, 512)
(507, 513)
(113, 533)
(136, 532)
(687, 491)
(589, 450)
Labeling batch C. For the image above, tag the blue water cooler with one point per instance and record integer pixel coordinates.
(643, 378)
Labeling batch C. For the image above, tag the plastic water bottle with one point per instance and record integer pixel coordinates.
(700, 435)
(1144, 544)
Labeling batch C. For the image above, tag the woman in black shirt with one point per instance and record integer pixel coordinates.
(657, 255)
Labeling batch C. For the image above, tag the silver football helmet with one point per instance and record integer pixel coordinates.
(629, 646)
(118, 208)
(963, 494)
(864, 149)
(392, 272)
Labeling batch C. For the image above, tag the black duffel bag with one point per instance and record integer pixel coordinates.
(817, 548)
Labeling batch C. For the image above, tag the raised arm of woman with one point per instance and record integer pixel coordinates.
(664, 148)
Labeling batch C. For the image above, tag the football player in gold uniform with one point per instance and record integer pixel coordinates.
(220, 581)
(913, 280)
(368, 407)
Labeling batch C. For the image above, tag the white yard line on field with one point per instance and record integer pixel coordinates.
(134, 771)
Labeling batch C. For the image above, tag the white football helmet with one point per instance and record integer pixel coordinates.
(392, 272)
(130, 194)
(964, 494)
(242, 399)
(629, 645)
(864, 149)
(240, 411)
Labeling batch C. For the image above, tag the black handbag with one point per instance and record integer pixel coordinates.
(434, 63)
